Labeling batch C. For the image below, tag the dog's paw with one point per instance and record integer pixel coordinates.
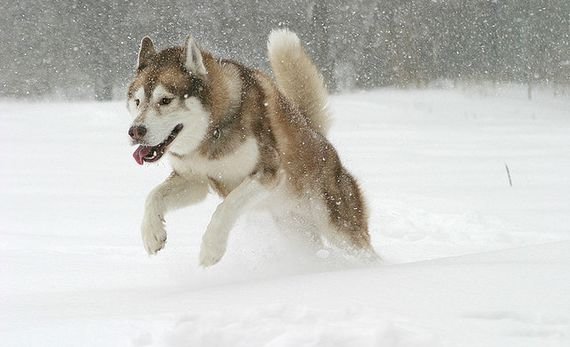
(211, 253)
(153, 234)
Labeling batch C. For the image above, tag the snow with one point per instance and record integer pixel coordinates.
(468, 259)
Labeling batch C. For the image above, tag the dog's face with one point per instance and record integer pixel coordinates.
(168, 101)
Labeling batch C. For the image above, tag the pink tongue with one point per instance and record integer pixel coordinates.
(140, 153)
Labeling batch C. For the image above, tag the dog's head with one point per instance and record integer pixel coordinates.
(168, 101)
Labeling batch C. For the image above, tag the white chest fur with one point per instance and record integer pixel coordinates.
(230, 169)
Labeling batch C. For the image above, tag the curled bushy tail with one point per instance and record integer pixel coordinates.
(298, 77)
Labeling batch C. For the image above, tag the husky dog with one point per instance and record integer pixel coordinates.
(255, 142)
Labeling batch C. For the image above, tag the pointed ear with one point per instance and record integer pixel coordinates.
(146, 52)
(193, 58)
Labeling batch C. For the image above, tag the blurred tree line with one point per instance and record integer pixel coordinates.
(87, 49)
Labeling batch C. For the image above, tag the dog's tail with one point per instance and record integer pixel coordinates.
(298, 77)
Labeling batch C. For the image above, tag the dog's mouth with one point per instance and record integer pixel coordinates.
(153, 153)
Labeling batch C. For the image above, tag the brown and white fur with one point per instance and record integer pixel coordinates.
(257, 143)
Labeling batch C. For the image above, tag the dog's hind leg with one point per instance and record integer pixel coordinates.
(175, 192)
(214, 242)
(341, 215)
(354, 242)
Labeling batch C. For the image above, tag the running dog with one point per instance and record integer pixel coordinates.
(254, 141)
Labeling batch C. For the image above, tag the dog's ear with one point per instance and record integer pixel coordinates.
(146, 52)
(193, 58)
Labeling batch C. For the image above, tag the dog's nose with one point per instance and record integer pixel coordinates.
(137, 132)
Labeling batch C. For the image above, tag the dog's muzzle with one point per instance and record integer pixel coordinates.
(151, 154)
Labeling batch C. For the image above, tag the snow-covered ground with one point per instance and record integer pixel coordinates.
(468, 259)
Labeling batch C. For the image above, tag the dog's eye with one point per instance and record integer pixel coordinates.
(165, 101)
(137, 102)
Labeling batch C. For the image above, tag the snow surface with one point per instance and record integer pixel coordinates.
(468, 259)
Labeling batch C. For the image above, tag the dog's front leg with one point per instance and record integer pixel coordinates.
(215, 239)
(175, 192)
